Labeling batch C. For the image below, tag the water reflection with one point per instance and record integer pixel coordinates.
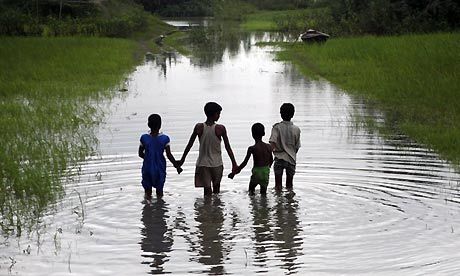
(162, 60)
(157, 238)
(262, 232)
(209, 45)
(209, 214)
(288, 231)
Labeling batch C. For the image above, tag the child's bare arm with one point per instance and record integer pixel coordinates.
(172, 160)
(271, 155)
(242, 165)
(246, 159)
(189, 145)
(141, 151)
(228, 148)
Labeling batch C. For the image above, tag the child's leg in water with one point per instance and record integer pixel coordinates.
(263, 190)
(252, 188)
(148, 193)
(159, 193)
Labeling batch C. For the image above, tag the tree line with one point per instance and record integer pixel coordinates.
(341, 17)
(348, 16)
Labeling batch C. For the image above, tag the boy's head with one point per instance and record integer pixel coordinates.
(212, 110)
(287, 111)
(258, 131)
(154, 122)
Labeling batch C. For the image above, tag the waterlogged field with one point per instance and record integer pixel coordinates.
(414, 79)
(49, 94)
(361, 205)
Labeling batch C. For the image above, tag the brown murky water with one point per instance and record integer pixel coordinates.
(361, 204)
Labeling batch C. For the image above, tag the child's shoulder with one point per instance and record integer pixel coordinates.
(163, 136)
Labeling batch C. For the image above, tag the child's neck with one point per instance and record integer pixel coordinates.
(154, 132)
(210, 122)
(258, 140)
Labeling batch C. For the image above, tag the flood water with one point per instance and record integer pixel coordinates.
(361, 204)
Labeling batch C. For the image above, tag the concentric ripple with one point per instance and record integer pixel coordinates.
(361, 204)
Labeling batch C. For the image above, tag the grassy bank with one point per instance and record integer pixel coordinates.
(414, 79)
(293, 21)
(49, 94)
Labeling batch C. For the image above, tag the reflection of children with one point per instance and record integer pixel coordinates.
(285, 140)
(263, 159)
(209, 166)
(151, 150)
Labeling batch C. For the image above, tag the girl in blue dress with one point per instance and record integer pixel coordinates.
(151, 149)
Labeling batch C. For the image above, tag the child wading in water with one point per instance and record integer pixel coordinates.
(151, 149)
(209, 165)
(285, 140)
(262, 156)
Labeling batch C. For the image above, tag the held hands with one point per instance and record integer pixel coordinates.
(178, 165)
(235, 170)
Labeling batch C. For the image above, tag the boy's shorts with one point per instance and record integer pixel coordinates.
(154, 180)
(281, 164)
(260, 175)
(205, 175)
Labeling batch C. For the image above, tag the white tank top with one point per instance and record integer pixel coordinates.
(210, 154)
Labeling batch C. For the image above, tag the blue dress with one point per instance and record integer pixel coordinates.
(154, 166)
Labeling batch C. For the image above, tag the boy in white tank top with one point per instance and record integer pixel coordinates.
(209, 165)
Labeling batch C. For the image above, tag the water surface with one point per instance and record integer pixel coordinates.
(361, 204)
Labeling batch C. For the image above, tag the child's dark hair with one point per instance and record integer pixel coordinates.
(211, 108)
(154, 122)
(287, 111)
(258, 130)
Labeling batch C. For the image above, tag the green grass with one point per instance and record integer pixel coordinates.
(295, 21)
(177, 41)
(413, 79)
(49, 94)
(262, 21)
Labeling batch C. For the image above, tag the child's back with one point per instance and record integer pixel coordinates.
(285, 141)
(154, 160)
(262, 154)
(262, 157)
(152, 150)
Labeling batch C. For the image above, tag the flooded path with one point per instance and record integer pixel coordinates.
(362, 204)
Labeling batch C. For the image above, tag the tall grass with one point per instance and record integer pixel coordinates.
(293, 21)
(49, 91)
(414, 79)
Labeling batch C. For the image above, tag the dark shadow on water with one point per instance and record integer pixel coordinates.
(285, 217)
(210, 217)
(157, 239)
(277, 229)
(262, 232)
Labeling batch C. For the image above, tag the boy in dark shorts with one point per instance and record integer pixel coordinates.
(262, 156)
(285, 141)
(209, 165)
(151, 149)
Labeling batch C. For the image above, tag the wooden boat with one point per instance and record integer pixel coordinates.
(314, 36)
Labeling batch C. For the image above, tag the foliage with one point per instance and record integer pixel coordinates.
(49, 92)
(281, 5)
(115, 19)
(178, 8)
(393, 16)
(414, 79)
(231, 10)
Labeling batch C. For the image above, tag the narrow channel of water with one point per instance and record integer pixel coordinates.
(361, 204)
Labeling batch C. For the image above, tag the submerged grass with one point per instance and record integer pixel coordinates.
(413, 79)
(49, 91)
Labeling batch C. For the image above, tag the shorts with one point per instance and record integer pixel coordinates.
(281, 164)
(152, 179)
(260, 175)
(205, 175)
